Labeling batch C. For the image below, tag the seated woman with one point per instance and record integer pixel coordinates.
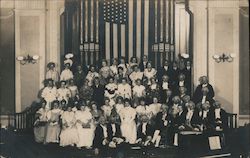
(149, 73)
(138, 91)
(155, 107)
(92, 74)
(104, 72)
(111, 91)
(142, 109)
(63, 92)
(85, 127)
(40, 123)
(86, 91)
(128, 126)
(119, 104)
(135, 74)
(106, 108)
(49, 93)
(96, 113)
(133, 62)
(68, 134)
(53, 127)
(120, 75)
(52, 73)
(124, 89)
(73, 89)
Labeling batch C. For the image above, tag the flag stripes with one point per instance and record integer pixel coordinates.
(115, 28)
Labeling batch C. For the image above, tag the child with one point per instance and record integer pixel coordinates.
(68, 134)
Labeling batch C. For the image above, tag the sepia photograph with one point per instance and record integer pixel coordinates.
(124, 79)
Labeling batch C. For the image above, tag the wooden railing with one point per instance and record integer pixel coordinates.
(24, 121)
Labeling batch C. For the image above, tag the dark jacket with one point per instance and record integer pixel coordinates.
(110, 132)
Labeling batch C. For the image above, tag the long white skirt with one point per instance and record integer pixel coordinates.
(68, 136)
(52, 134)
(128, 130)
(86, 136)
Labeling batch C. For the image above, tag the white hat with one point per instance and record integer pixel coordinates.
(68, 61)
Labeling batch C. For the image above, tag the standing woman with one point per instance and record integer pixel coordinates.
(85, 127)
(128, 125)
(40, 123)
(53, 128)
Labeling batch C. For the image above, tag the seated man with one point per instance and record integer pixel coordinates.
(218, 117)
(192, 121)
(113, 128)
(144, 132)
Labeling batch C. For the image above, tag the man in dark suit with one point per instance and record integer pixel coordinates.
(144, 131)
(218, 117)
(143, 63)
(203, 87)
(164, 70)
(174, 73)
(98, 93)
(113, 128)
(100, 142)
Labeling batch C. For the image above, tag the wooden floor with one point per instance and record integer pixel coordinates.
(17, 145)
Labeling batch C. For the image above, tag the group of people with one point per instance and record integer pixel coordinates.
(124, 103)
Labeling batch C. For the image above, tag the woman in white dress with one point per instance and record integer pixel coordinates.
(73, 89)
(114, 67)
(68, 134)
(91, 75)
(138, 91)
(128, 125)
(106, 108)
(66, 74)
(111, 91)
(149, 73)
(63, 92)
(49, 93)
(124, 89)
(136, 74)
(40, 123)
(53, 128)
(85, 127)
(119, 104)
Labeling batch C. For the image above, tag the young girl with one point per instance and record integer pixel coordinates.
(111, 91)
(128, 125)
(40, 123)
(68, 134)
(53, 128)
(85, 127)
(119, 104)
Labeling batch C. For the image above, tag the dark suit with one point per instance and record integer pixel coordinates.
(99, 137)
(98, 95)
(197, 97)
(162, 71)
(223, 119)
(142, 66)
(111, 134)
(149, 131)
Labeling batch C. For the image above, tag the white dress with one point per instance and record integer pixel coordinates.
(124, 90)
(52, 74)
(40, 125)
(85, 133)
(128, 125)
(118, 107)
(138, 91)
(143, 110)
(106, 110)
(74, 91)
(155, 108)
(111, 92)
(135, 75)
(66, 75)
(63, 93)
(68, 134)
(49, 94)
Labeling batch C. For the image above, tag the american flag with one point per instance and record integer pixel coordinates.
(127, 28)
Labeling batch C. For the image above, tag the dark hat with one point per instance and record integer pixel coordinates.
(51, 64)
